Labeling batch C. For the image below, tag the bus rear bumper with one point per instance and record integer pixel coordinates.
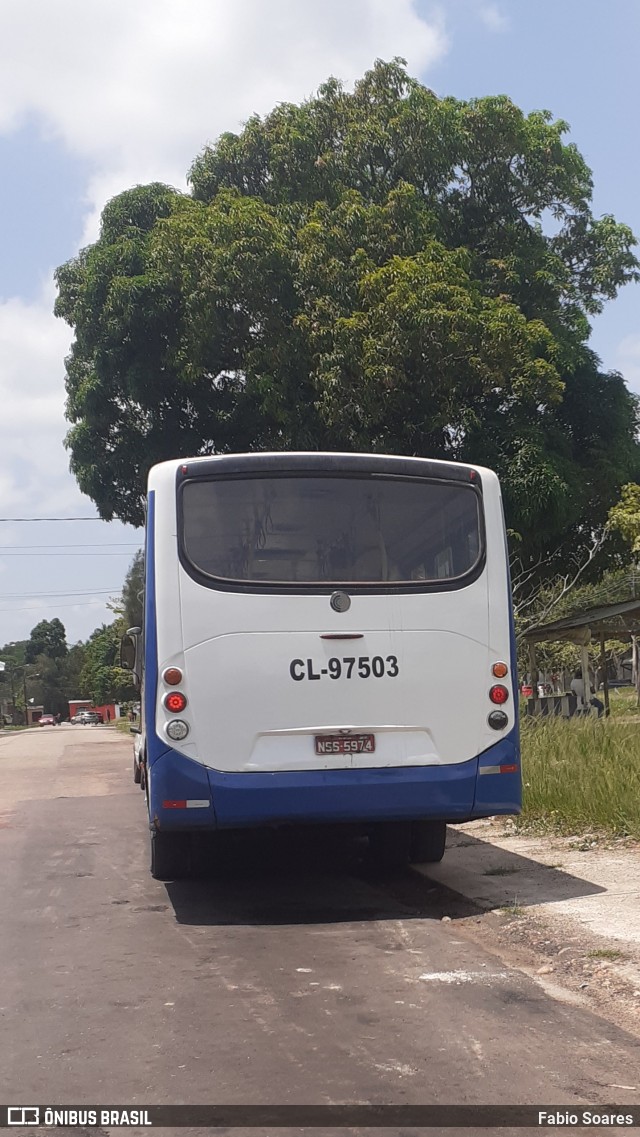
(187, 795)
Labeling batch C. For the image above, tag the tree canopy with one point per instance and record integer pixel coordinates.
(624, 517)
(101, 677)
(377, 270)
(132, 593)
(48, 638)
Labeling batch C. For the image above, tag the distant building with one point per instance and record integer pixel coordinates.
(109, 711)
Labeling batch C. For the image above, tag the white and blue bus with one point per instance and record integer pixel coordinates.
(327, 638)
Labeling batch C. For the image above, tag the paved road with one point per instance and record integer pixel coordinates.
(290, 975)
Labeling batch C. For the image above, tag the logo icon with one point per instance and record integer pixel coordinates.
(340, 601)
(23, 1115)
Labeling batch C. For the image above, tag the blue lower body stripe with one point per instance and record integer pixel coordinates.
(457, 792)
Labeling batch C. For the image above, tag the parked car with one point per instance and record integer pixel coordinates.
(47, 720)
(88, 718)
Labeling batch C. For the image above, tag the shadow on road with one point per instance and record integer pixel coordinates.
(320, 876)
(493, 875)
(312, 876)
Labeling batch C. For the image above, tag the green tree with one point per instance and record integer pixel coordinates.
(71, 668)
(49, 679)
(132, 593)
(46, 685)
(624, 517)
(12, 655)
(102, 679)
(365, 271)
(48, 638)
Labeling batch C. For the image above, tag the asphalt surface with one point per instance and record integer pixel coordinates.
(290, 974)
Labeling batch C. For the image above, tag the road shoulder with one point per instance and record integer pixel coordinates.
(564, 910)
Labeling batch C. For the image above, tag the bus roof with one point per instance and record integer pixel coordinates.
(318, 461)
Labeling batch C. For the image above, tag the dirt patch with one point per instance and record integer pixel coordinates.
(566, 910)
(567, 964)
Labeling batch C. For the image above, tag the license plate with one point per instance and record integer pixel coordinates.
(345, 743)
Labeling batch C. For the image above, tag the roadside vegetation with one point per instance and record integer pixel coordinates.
(582, 775)
(46, 671)
(623, 703)
(122, 725)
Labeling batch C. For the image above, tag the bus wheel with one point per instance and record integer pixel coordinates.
(137, 773)
(428, 840)
(170, 855)
(389, 844)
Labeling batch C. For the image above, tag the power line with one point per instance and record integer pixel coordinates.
(83, 545)
(73, 592)
(12, 519)
(40, 607)
(123, 554)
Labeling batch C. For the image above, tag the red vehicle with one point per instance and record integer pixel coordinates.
(47, 720)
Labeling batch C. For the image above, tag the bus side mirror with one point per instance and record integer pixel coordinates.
(130, 654)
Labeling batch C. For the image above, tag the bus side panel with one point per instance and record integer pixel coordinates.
(154, 745)
(500, 792)
(179, 793)
(162, 593)
(171, 777)
(499, 782)
(515, 733)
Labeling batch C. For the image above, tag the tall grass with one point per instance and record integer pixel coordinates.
(581, 775)
(623, 702)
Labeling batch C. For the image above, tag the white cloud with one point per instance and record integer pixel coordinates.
(140, 88)
(35, 481)
(32, 349)
(493, 18)
(628, 360)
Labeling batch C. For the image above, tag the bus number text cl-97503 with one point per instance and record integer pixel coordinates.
(350, 666)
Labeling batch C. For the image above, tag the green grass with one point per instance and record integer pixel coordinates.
(605, 953)
(623, 702)
(123, 725)
(581, 776)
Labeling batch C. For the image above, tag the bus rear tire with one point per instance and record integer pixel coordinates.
(170, 855)
(428, 841)
(137, 772)
(389, 844)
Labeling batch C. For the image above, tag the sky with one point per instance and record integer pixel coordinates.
(97, 97)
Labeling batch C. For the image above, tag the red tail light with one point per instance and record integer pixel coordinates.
(175, 702)
(499, 694)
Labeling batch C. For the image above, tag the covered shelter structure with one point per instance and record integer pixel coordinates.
(619, 621)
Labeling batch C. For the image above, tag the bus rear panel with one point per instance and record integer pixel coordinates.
(328, 638)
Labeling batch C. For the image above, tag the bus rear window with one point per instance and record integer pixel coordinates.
(331, 530)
